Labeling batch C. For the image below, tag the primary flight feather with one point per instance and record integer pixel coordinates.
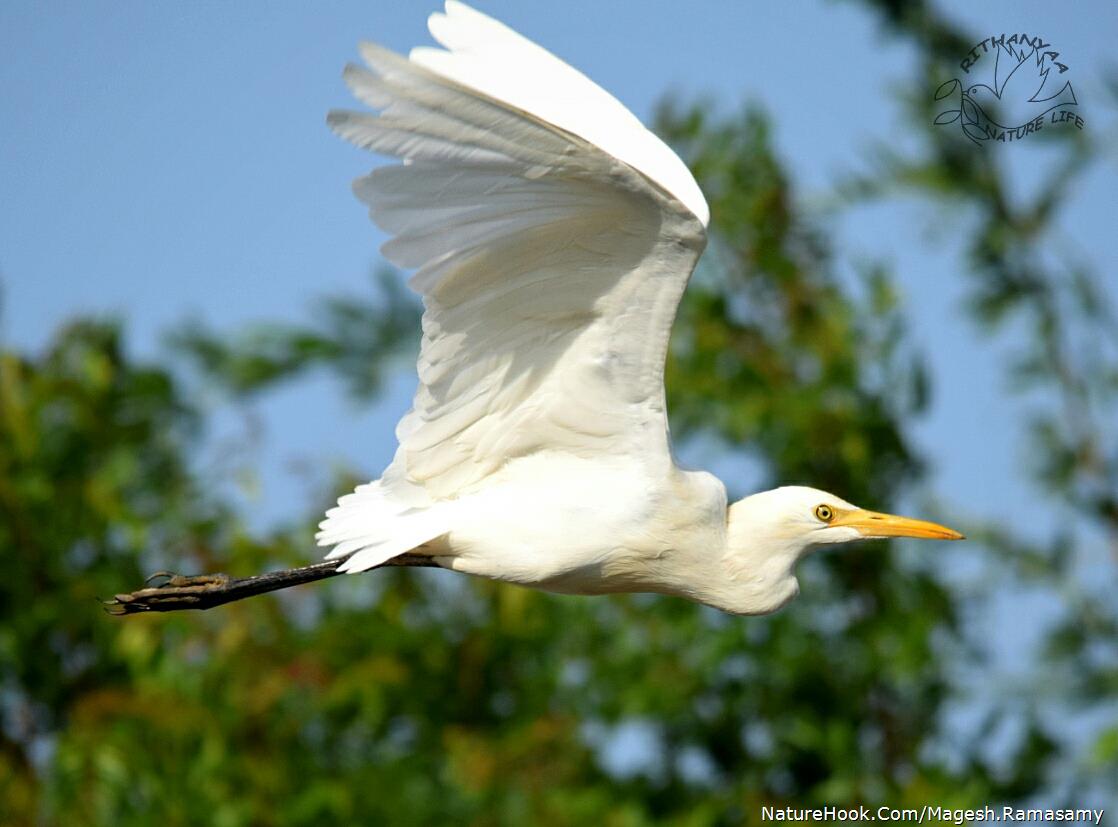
(552, 237)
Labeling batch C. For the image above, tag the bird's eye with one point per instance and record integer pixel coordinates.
(824, 513)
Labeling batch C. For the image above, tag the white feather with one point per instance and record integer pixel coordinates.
(553, 236)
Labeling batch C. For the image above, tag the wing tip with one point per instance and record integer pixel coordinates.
(456, 8)
(338, 119)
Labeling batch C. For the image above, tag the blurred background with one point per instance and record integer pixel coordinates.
(199, 350)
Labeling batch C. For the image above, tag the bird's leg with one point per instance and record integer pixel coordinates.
(204, 591)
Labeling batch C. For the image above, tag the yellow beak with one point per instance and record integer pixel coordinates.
(873, 524)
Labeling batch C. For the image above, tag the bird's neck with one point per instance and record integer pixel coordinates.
(756, 571)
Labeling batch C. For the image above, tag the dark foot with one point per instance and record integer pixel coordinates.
(170, 579)
(168, 592)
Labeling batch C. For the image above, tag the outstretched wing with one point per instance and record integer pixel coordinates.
(553, 236)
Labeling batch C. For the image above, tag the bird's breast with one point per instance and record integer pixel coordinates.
(582, 526)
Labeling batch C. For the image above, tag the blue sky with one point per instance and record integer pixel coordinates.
(164, 161)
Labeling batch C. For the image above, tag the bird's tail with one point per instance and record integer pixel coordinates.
(375, 524)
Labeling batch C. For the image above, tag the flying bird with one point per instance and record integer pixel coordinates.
(552, 237)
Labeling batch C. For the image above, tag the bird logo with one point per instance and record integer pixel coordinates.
(1011, 94)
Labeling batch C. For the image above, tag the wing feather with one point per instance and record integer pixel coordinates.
(553, 236)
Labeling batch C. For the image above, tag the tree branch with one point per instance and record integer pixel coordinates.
(204, 591)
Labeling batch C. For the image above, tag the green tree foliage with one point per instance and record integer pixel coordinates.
(355, 337)
(1024, 273)
(432, 699)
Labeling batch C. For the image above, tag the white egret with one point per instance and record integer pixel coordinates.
(553, 236)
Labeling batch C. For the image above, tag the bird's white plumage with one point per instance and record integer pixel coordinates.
(486, 55)
(551, 257)
(552, 236)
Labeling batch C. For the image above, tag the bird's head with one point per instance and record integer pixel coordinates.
(809, 517)
(769, 532)
(981, 93)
